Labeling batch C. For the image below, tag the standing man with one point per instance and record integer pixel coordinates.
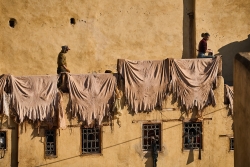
(203, 47)
(61, 60)
(62, 67)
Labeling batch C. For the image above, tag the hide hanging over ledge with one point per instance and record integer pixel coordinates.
(193, 80)
(229, 96)
(145, 82)
(4, 97)
(91, 95)
(36, 98)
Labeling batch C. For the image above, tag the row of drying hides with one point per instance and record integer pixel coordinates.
(148, 82)
(37, 98)
(92, 95)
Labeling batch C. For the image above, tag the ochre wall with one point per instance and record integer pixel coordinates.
(104, 31)
(228, 23)
(242, 109)
(122, 147)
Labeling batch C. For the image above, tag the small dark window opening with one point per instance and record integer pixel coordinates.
(2, 140)
(50, 147)
(149, 131)
(12, 23)
(72, 21)
(192, 135)
(231, 143)
(91, 140)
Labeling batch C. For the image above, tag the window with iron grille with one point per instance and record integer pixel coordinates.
(91, 138)
(192, 135)
(50, 146)
(2, 140)
(231, 143)
(149, 131)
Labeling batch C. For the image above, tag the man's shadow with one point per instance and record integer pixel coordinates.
(190, 157)
(149, 162)
(228, 52)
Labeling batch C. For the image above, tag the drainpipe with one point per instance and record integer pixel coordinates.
(191, 34)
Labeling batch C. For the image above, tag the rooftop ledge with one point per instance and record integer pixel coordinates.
(244, 58)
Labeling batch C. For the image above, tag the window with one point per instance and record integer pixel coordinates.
(50, 145)
(12, 22)
(2, 140)
(192, 135)
(91, 140)
(148, 131)
(231, 143)
(72, 21)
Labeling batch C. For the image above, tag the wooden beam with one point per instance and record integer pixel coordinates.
(228, 135)
(74, 126)
(147, 121)
(107, 124)
(171, 120)
(168, 120)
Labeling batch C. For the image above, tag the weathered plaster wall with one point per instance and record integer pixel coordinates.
(228, 23)
(241, 109)
(122, 147)
(104, 31)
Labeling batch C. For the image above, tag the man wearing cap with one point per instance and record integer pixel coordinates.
(61, 60)
(62, 67)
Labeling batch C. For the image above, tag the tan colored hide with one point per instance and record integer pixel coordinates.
(193, 80)
(91, 95)
(145, 82)
(4, 97)
(37, 98)
(229, 95)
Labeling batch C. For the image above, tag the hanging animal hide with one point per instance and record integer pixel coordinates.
(91, 95)
(145, 82)
(229, 96)
(192, 81)
(36, 98)
(4, 97)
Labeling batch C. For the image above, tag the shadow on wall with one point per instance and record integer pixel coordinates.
(190, 157)
(228, 52)
(149, 162)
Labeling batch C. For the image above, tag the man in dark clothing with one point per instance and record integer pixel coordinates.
(62, 67)
(203, 47)
(61, 60)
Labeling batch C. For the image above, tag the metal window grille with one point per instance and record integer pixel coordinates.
(192, 135)
(91, 140)
(50, 148)
(149, 130)
(231, 143)
(2, 140)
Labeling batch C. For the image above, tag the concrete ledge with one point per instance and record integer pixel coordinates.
(244, 58)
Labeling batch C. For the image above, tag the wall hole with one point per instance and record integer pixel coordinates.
(72, 21)
(12, 22)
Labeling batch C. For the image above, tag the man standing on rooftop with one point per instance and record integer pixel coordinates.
(61, 60)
